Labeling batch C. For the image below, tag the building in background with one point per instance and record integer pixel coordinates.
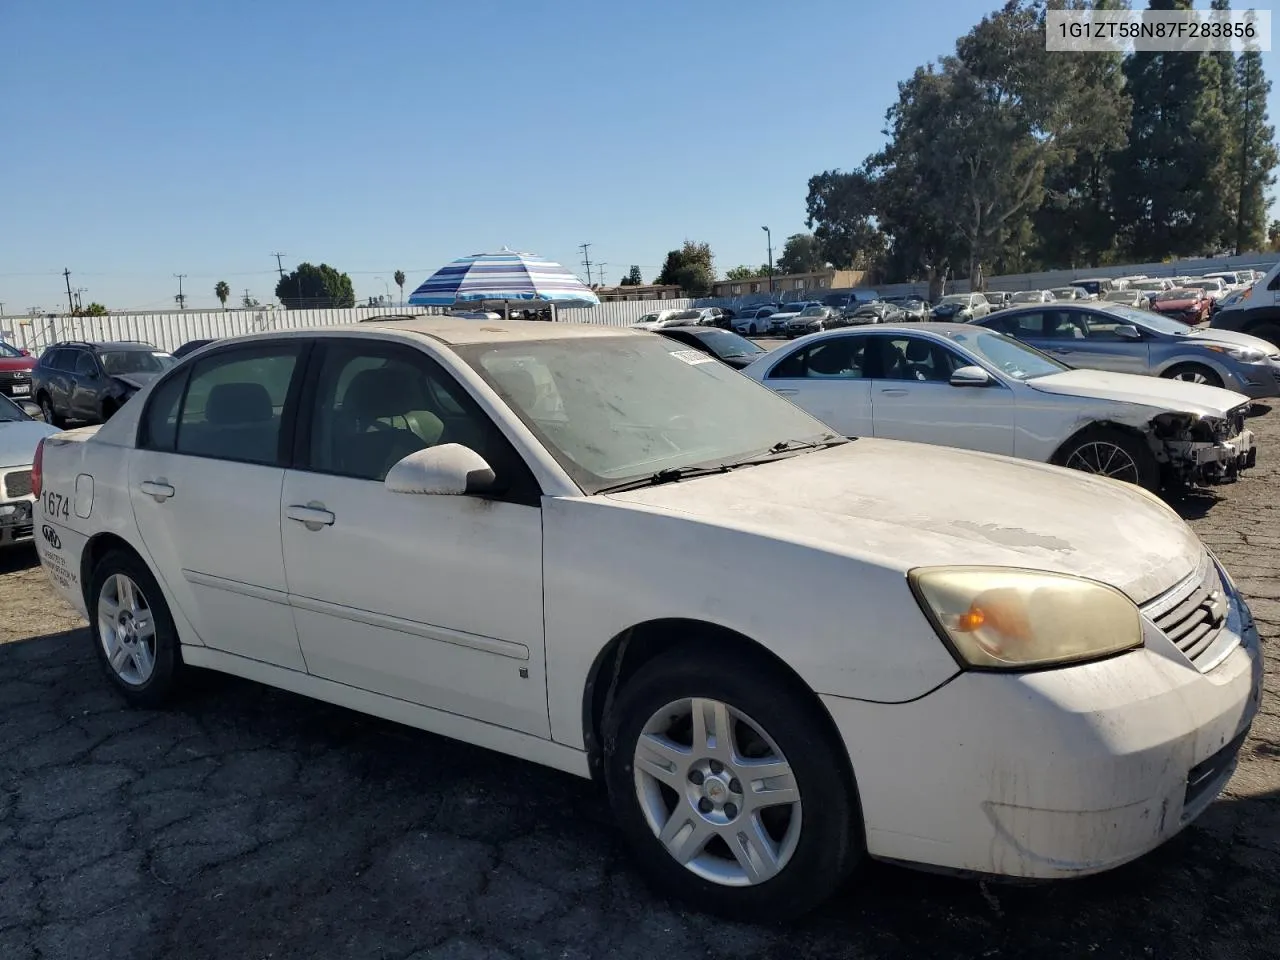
(787, 283)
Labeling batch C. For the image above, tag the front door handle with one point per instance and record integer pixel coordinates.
(786, 391)
(1061, 351)
(313, 515)
(894, 392)
(160, 490)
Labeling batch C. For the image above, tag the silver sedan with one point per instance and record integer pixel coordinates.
(1111, 336)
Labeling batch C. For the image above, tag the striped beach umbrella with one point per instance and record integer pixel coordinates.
(505, 276)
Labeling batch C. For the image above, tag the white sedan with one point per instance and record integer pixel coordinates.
(532, 537)
(965, 386)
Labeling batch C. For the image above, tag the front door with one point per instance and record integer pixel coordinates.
(205, 485)
(87, 386)
(828, 380)
(1100, 348)
(912, 398)
(431, 599)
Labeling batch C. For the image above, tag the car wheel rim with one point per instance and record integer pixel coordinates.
(126, 630)
(1106, 460)
(1191, 376)
(717, 792)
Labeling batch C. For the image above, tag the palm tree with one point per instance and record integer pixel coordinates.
(398, 277)
(222, 291)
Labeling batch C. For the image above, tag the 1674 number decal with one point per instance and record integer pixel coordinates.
(56, 505)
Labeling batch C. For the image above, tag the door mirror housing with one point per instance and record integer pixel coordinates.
(447, 470)
(1128, 332)
(971, 376)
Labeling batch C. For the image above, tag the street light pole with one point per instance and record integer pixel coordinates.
(769, 239)
(386, 287)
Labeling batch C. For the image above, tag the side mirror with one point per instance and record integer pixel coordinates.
(971, 376)
(447, 470)
(1127, 332)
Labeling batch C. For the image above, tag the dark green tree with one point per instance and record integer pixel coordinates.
(1170, 182)
(1232, 109)
(312, 287)
(841, 211)
(92, 310)
(1257, 155)
(398, 277)
(692, 268)
(802, 253)
(744, 272)
(221, 290)
(633, 278)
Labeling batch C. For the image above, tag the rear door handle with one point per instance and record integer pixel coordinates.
(313, 515)
(160, 490)
(894, 392)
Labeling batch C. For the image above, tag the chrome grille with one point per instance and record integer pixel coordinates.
(17, 484)
(1193, 614)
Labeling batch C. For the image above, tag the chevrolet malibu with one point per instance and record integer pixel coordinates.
(531, 537)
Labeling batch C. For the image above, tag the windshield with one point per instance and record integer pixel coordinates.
(1180, 294)
(1146, 320)
(726, 343)
(1121, 296)
(10, 410)
(956, 299)
(116, 362)
(1011, 357)
(1027, 296)
(8, 351)
(1205, 284)
(814, 312)
(688, 315)
(614, 409)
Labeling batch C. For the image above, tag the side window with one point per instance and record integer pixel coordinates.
(1274, 284)
(234, 404)
(1100, 326)
(375, 404)
(839, 358)
(911, 358)
(1020, 325)
(86, 366)
(159, 427)
(1063, 325)
(49, 359)
(791, 368)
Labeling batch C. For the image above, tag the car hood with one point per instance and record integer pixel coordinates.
(1178, 395)
(9, 364)
(1235, 339)
(18, 441)
(905, 505)
(135, 380)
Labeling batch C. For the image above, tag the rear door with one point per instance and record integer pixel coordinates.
(912, 398)
(205, 484)
(829, 380)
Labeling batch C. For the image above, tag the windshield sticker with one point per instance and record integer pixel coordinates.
(693, 357)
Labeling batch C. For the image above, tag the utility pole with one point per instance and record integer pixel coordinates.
(600, 271)
(279, 265)
(586, 259)
(79, 302)
(769, 239)
(181, 297)
(66, 275)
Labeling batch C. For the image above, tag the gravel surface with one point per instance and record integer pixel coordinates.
(248, 823)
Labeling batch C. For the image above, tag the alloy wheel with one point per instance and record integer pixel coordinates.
(1105, 459)
(1191, 376)
(717, 792)
(127, 630)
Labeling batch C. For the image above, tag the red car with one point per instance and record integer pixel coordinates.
(1190, 305)
(15, 372)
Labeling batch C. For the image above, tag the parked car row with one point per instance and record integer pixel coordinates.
(1067, 668)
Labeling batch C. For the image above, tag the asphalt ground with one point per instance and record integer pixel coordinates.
(250, 823)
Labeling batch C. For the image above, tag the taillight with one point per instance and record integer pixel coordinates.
(37, 469)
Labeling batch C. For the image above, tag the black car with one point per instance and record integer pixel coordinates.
(191, 346)
(88, 382)
(737, 351)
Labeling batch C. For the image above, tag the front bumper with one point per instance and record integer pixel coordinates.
(16, 524)
(1199, 462)
(1056, 773)
(1259, 381)
(16, 388)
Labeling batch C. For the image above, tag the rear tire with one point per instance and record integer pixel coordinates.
(1193, 373)
(745, 856)
(751, 330)
(1106, 451)
(132, 629)
(50, 416)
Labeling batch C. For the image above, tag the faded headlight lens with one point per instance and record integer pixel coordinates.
(998, 618)
(1243, 354)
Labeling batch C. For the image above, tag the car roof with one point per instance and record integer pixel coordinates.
(456, 331)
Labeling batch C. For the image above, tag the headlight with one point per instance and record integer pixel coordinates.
(1003, 618)
(1243, 354)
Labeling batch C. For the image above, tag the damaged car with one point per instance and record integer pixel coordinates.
(89, 381)
(961, 385)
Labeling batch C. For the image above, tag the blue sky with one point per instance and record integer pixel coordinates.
(141, 139)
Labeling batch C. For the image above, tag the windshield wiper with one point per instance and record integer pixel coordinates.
(826, 440)
(668, 475)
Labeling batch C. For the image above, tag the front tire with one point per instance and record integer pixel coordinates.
(1194, 373)
(751, 330)
(728, 787)
(50, 416)
(1108, 452)
(133, 631)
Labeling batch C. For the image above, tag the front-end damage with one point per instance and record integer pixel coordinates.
(1197, 450)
